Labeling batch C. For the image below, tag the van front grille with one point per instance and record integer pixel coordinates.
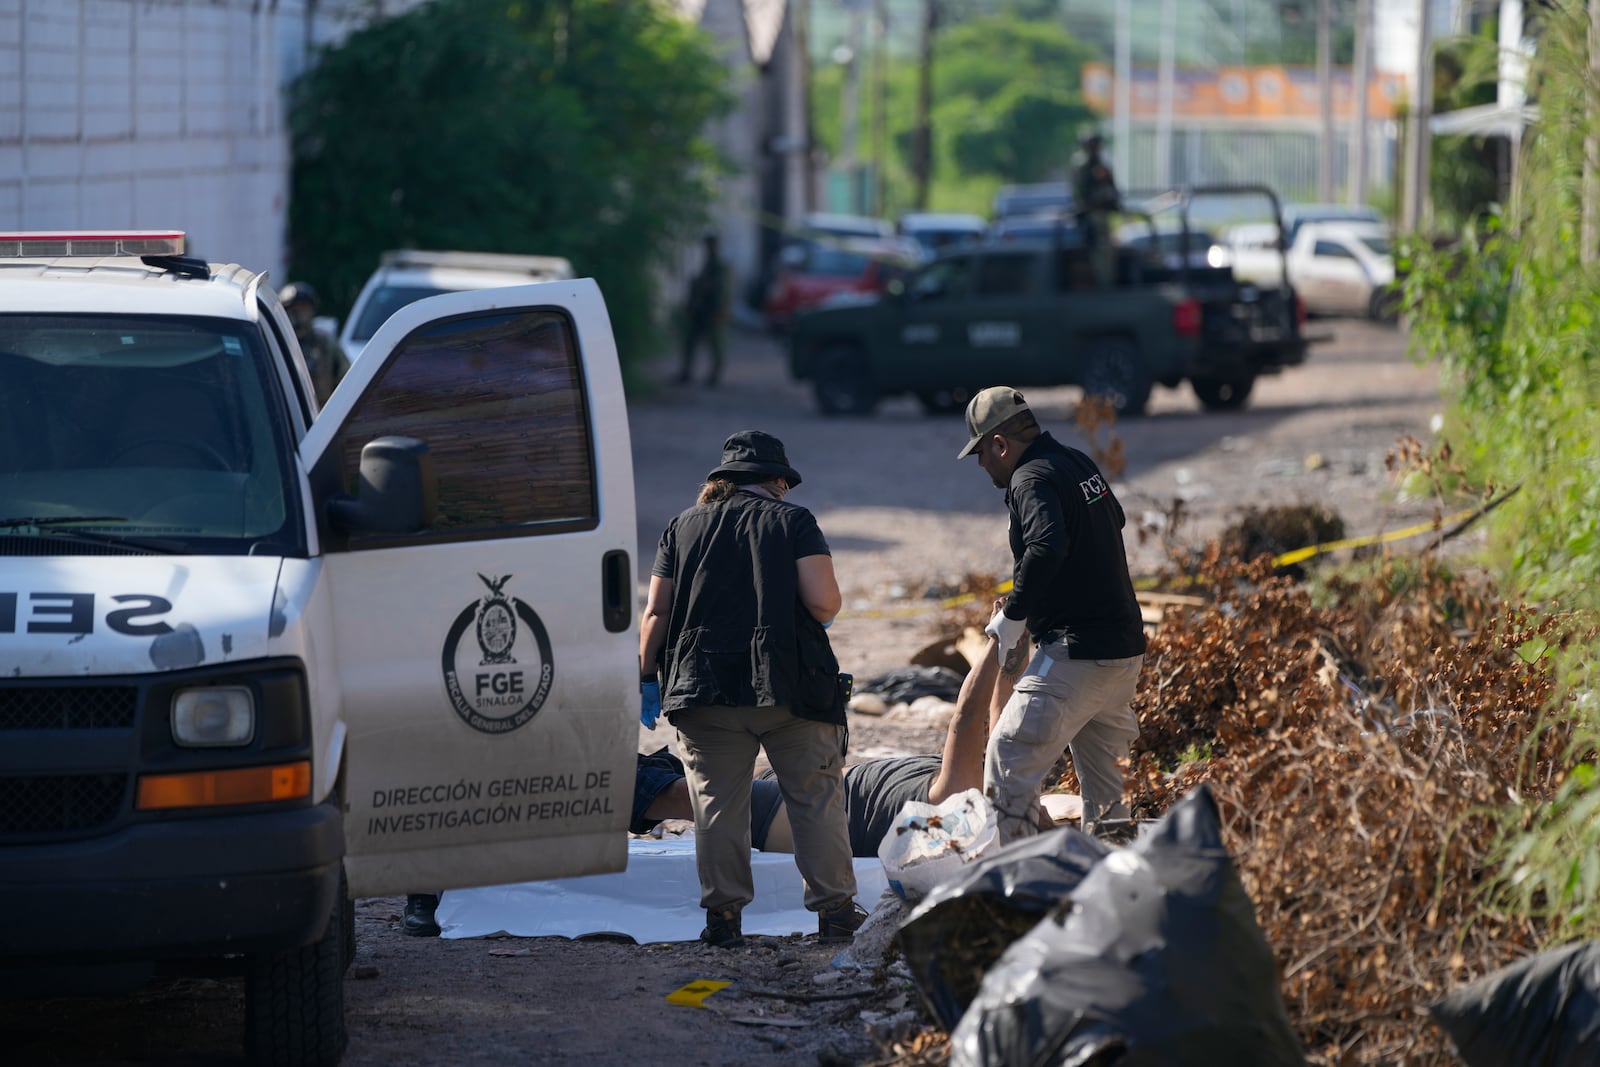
(61, 803)
(68, 707)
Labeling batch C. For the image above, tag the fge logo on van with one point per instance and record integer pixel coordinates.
(498, 681)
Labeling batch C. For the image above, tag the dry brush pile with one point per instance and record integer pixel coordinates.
(1363, 748)
(1364, 741)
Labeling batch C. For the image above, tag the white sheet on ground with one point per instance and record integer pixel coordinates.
(656, 899)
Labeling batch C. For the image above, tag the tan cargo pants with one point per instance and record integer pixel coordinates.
(721, 744)
(1059, 703)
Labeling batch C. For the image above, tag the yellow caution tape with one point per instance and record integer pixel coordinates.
(695, 993)
(1298, 555)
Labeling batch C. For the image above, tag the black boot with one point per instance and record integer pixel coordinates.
(724, 928)
(841, 923)
(419, 921)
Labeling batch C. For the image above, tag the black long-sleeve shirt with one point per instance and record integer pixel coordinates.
(1071, 576)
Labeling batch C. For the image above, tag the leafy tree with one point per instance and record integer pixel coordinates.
(1007, 107)
(563, 127)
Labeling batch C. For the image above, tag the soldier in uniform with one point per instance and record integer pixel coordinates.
(705, 313)
(1095, 196)
(324, 358)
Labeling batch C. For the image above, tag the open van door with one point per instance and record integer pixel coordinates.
(486, 654)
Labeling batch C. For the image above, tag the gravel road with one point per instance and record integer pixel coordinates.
(903, 518)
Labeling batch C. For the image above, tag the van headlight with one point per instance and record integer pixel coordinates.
(214, 717)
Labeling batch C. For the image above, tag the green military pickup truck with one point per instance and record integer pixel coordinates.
(1031, 313)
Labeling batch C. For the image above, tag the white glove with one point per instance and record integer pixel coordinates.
(1007, 632)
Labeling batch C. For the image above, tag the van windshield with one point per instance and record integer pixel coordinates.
(122, 432)
(385, 301)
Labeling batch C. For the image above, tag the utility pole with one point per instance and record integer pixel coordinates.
(806, 154)
(1419, 139)
(1325, 94)
(923, 161)
(850, 121)
(880, 111)
(1164, 93)
(1122, 98)
(1357, 186)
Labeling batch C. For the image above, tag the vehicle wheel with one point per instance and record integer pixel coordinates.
(1113, 369)
(347, 926)
(1385, 306)
(843, 385)
(944, 401)
(294, 1001)
(1223, 394)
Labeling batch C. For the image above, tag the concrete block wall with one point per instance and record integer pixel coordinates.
(146, 114)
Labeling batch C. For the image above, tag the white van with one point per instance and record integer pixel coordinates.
(257, 660)
(408, 275)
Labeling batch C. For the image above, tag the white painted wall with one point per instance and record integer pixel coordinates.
(143, 114)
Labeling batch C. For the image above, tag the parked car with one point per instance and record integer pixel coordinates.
(813, 273)
(934, 231)
(1200, 248)
(1013, 200)
(1044, 225)
(1337, 268)
(404, 277)
(1297, 215)
(828, 224)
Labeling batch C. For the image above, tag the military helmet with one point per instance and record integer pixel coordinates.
(295, 292)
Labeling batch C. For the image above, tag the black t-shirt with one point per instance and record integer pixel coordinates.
(731, 629)
(1071, 578)
(874, 793)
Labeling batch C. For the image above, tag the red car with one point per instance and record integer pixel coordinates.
(815, 271)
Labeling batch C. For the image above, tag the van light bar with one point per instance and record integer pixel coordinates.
(95, 244)
(201, 789)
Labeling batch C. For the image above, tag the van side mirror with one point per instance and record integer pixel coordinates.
(397, 492)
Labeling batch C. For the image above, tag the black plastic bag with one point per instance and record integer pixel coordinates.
(963, 926)
(1543, 1011)
(1156, 960)
(905, 684)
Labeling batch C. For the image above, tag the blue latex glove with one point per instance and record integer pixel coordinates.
(827, 624)
(649, 703)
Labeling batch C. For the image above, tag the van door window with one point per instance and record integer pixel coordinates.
(499, 400)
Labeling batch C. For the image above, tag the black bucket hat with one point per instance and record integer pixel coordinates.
(750, 456)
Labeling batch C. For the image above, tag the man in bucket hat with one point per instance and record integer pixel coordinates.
(1072, 595)
(741, 590)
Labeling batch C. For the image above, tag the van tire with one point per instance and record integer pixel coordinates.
(842, 383)
(1223, 394)
(294, 1000)
(1114, 369)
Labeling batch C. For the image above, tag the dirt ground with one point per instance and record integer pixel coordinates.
(906, 522)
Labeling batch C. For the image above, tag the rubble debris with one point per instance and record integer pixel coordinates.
(1273, 531)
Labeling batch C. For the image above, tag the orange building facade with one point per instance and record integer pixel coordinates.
(1269, 94)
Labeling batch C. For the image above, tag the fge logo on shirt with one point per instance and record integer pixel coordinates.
(498, 682)
(1093, 488)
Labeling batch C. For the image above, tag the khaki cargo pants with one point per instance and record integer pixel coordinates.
(1059, 703)
(721, 744)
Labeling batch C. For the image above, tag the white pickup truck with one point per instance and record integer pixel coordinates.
(258, 659)
(1336, 268)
